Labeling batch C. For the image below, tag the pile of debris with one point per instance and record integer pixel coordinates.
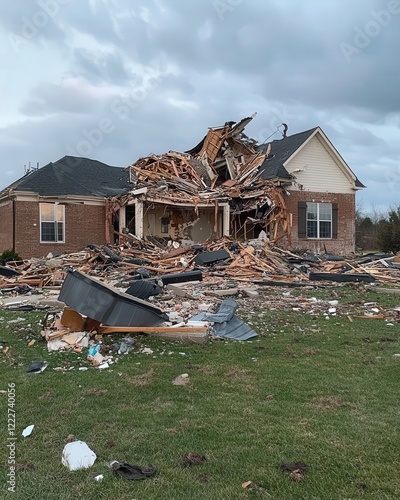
(95, 309)
(226, 167)
(222, 261)
(133, 289)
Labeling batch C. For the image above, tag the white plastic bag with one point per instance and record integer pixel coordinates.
(77, 455)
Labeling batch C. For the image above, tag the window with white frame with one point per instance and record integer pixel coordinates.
(319, 220)
(52, 223)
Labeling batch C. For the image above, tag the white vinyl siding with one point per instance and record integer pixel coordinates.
(316, 170)
(52, 223)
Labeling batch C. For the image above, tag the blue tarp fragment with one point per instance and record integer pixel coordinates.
(226, 324)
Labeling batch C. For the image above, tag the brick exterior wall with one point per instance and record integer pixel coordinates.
(83, 224)
(6, 226)
(344, 244)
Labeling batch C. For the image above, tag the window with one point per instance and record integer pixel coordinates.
(52, 226)
(317, 220)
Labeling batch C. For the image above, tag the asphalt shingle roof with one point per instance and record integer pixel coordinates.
(281, 150)
(74, 176)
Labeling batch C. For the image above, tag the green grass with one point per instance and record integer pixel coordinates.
(322, 391)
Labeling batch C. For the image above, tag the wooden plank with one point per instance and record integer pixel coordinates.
(150, 329)
(197, 335)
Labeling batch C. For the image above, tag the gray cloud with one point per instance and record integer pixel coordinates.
(176, 68)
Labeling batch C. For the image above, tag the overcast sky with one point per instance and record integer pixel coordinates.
(114, 80)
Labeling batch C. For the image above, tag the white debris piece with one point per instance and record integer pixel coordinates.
(146, 350)
(77, 455)
(181, 379)
(28, 430)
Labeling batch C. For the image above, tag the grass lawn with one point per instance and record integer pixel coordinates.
(311, 389)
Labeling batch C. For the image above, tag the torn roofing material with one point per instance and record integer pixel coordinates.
(226, 324)
(97, 301)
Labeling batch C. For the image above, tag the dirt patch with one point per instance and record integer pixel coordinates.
(142, 379)
(309, 352)
(201, 368)
(172, 430)
(249, 388)
(158, 405)
(238, 373)
(289, 354)
(190, 458)
(328, 403)
(25, 467)
(46, 396)
(203, 477)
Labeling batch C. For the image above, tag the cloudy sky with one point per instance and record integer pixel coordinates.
(114, 80)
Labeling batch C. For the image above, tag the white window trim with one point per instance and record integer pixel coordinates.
(55, 205)
(318, 237)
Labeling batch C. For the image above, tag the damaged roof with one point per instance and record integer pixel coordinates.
(74, 176)
(281, 151)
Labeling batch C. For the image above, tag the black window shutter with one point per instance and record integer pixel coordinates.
(301, 219)
(334, 220)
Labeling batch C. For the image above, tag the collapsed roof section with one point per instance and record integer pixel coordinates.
(225, 167)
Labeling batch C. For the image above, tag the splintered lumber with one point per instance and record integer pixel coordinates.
(58, 334)
(197, 335)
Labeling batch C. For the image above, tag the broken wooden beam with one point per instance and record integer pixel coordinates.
(191, 334)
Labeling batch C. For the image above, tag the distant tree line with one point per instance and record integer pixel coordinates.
(378, 231)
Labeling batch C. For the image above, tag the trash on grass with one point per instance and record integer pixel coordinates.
(28, 430)
(254, 488)
(37, 367)
(77, 455)
(132, 472)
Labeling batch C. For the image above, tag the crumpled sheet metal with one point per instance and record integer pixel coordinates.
(226, 324)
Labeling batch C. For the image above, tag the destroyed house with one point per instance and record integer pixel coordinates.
(296, 191)
(59, 207)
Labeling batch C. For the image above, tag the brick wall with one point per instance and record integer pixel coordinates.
(345, 242)
(6, 226)
(83, 224)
